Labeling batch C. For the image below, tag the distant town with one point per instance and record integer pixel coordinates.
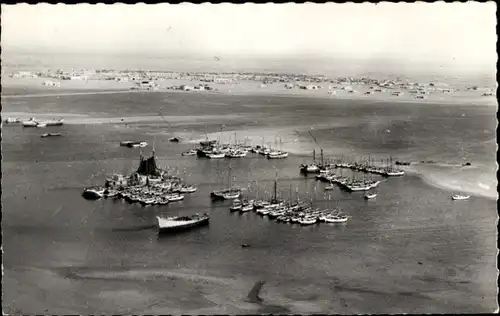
(149, 80)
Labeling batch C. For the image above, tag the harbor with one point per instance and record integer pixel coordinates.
(213, 159)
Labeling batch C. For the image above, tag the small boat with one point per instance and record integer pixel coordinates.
(329, 187)
(174, 139)
(175, 197)
(50, 135)
(247, 207)
(370, 196)
(93, 193)
(192, 152)
(41, 125)
(308, 221)
(236, 154)
(236, 206)
(176, 223)
(312, 168)
(55, 122)
(231, 195)
(188, 189)
(277, 155)
(133, 144)
(216, 155)
(30, 123)
(139, 144)
(337, 219)
(460, 197)
(395, 173)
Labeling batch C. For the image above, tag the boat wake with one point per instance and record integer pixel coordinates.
(134, 228)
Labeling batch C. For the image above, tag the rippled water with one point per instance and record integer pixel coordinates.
(410, 250)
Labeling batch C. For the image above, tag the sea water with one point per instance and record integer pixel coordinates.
(412, 249)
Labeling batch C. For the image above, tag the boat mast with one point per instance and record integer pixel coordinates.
(314, 155)
(229, 177)
(322, 158)
(276, 186)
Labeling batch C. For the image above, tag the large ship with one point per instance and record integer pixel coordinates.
(177, 223)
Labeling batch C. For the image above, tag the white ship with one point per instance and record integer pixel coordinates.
(176, 223)
(460, 197)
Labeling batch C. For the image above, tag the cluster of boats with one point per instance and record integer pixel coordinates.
(289, 213)
(153, 195)
(367, 167)
(215, 150)
(32, 122)
(348, 183)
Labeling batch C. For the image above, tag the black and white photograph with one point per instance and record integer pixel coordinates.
(296, 158)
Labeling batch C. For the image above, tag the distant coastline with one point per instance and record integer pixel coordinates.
(27, 87)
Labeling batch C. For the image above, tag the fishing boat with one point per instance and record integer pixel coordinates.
(277, 155)
(176, 223)
(216, 155)
(460, 197)
(395, 173)
(337, 219)
(93, 193)
(30, 123)
(191, 152)
(236, 206)
(247, 207)
(188, 189)
(230, 193)
(236, 154)
(174, 139)
(175, 197)
(308, 220)
(313, 167)
(133, 144)
(50, 135)
(370, 196)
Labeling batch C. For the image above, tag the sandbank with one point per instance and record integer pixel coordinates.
(33, 87)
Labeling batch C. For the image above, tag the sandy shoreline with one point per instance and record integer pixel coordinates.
(14, 88)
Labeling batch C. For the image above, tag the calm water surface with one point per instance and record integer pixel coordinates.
(412, 250)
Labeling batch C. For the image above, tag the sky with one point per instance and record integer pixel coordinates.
(451, 33)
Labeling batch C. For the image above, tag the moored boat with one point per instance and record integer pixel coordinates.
(216, 155)
(337, 219)
(93, 193)
(460, 197)
(50, 135)
(191, 152)
(176, 223)
(175, 197)
(32, 122)
(370, 196)
(236, 206)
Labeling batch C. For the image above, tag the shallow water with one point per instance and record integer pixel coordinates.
(411, 250)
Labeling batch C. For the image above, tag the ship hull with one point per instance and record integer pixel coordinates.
(174, 229)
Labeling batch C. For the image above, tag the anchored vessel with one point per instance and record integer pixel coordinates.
(460, 197)
(178, 223)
